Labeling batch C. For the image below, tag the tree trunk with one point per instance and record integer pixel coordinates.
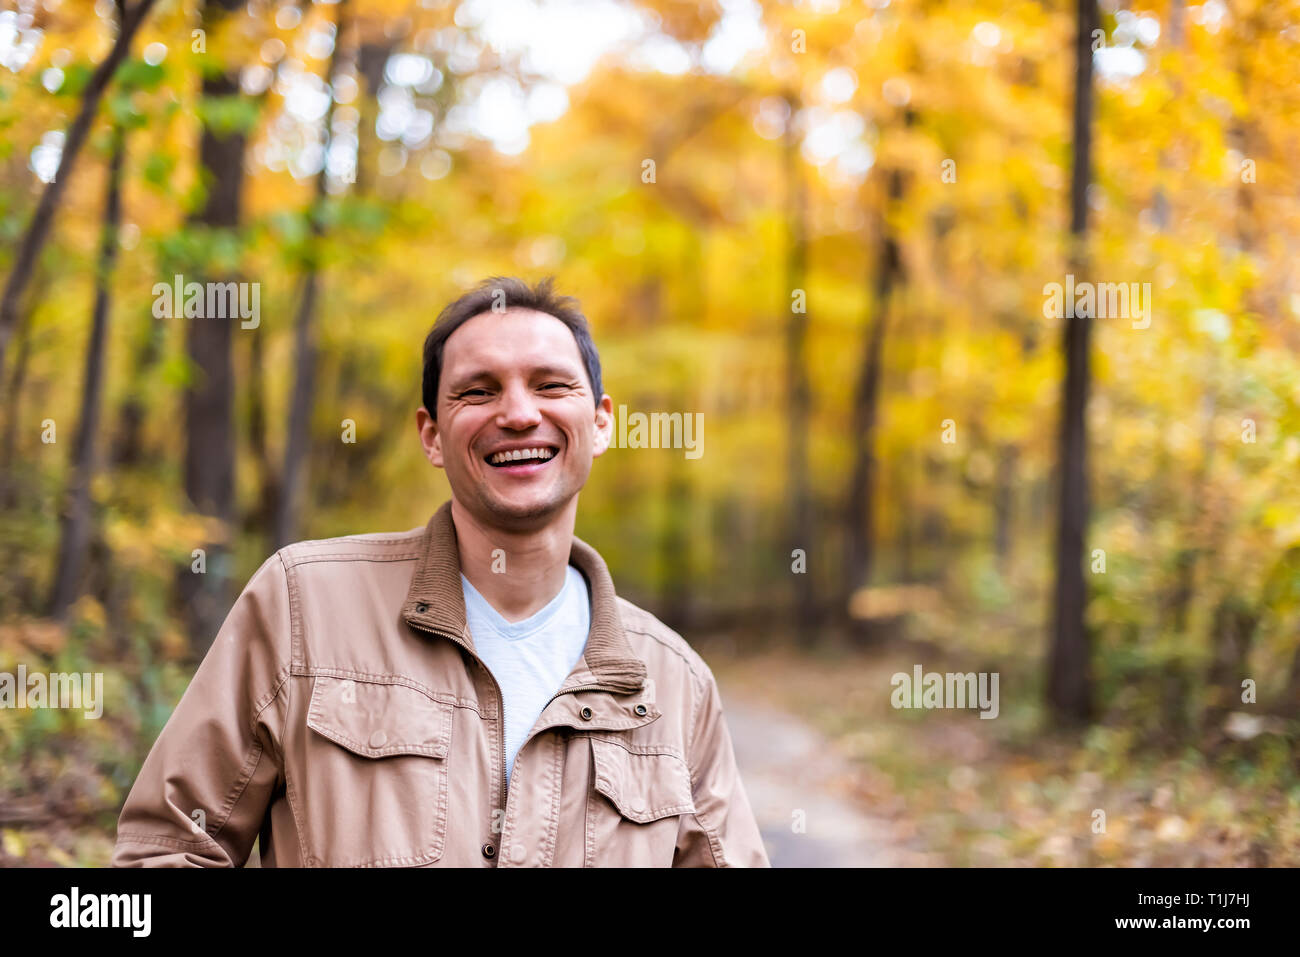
(1290, 705)
(1069, 685)
(9, 492)
(260, 520)
(9, 478)
(293, 478)
(675, 547)
(209, 403)
(801, 530)
(38, 230)
(1004, 497)
(1232, 632)
(371, 60)
(866, 403)
(76, 518)
(128, 438)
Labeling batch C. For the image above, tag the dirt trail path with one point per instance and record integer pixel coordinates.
(789, 767)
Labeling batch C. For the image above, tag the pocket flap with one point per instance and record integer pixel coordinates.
(644, 785)
(376, 719)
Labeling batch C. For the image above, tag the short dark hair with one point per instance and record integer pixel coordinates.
(499, 293)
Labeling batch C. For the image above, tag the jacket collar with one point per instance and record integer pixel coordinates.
(436, 602)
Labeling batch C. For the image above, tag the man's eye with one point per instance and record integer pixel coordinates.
(555, 385)
(472, 392)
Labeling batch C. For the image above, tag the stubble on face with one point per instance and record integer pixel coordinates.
(510, 379)
(518, 516)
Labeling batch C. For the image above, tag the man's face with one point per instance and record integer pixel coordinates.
(513, 384)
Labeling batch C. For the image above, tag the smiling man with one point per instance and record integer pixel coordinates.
(471, 693)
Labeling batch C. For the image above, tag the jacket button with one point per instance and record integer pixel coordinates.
(489, 851)
(586, 714)
(378, 739)
(640, 709)
(517, 853)
(421, 608)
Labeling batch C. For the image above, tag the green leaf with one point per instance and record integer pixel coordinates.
(138, 75)
(225, 115)
(158, 168)
(75, 78)
(177, 371)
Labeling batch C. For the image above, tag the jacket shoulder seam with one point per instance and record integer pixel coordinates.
(698, 678)
(293, 561)
(388, 538)
(295, 618)
(691, 665)
(282, 677)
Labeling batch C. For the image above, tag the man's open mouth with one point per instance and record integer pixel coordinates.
(530, 456)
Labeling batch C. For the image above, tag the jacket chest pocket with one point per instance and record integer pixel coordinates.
(375, 788)
(634, 808)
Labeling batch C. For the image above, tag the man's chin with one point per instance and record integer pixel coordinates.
(526, 513)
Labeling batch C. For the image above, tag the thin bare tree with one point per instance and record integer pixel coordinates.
(802, 529)
(294, 476)
(38, 230)
(1069, 684)
(209, 401)
(76, 519)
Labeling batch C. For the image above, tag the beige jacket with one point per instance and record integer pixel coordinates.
(342, 716)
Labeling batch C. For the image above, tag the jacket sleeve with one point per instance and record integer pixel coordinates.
(203, 791)
(722, 832)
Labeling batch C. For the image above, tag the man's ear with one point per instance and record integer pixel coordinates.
(430, 437)
(604, 426)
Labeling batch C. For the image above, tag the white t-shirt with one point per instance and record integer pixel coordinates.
(531, 658)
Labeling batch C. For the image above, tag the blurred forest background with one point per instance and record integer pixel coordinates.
(825, 226)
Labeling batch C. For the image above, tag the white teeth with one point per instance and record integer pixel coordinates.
(520, 454)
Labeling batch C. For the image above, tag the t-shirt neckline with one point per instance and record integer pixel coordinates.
(515, 630)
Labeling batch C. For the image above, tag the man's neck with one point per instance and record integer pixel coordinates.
(529, 569)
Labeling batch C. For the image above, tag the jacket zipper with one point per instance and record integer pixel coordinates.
(572, 690)
(505, 781)
(505, 786)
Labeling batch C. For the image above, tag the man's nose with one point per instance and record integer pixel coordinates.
(518, 409)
